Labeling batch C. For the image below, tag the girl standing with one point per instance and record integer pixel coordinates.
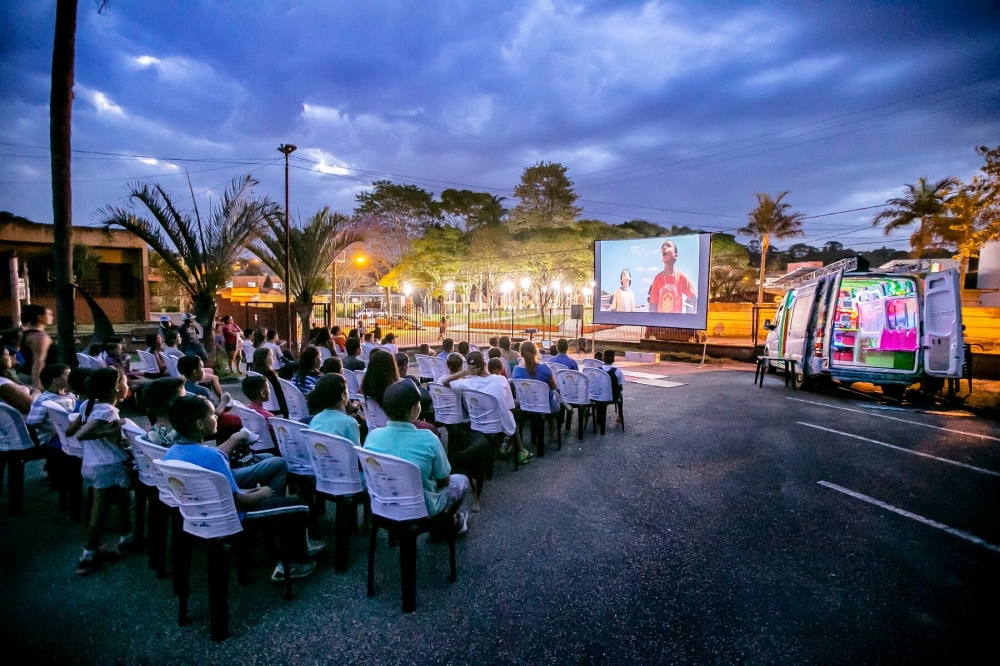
(100, 430)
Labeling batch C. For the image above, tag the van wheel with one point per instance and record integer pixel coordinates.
(804, 381)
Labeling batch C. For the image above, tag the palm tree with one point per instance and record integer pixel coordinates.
(771, 217)
(314, 246)
(924, 203)
(201, 252)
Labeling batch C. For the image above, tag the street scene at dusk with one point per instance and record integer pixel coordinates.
(540, 332)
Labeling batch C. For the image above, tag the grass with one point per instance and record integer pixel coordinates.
(985, 395)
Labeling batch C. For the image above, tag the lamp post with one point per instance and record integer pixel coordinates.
(555, 294)
(287, 149)
(449, 287)
(506, 288)
(568, 290)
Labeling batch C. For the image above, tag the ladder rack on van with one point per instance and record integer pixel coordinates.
(845, 265)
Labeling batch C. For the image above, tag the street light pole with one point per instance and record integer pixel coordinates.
(287, 149)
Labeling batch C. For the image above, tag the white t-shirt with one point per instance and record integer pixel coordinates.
(498, 387)
(275, 354)
(391, 348)
(173, 352)
(106, 450)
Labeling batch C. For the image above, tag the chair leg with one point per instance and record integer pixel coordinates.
(559, 429)
(182, 575)
(180, 548)
(408, 567)
(372, 542)
(579, 422)
(155, 541)
(218, 590)
(346, 515)
(15, 484)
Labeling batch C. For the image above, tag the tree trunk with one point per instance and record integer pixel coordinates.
(204, 311)
(60, 126)
(303, 308)
(765, 245)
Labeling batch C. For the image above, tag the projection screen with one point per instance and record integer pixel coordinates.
(653, 281)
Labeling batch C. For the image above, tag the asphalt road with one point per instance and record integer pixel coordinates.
(699, 535)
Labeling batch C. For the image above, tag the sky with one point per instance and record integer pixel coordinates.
(674, 112)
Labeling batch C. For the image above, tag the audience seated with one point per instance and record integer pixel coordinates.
(353, 359)
(194, 420)
(332, 365)
(447, 347)
(55, 381)
(154, 346)
(463, 348)
(257, 392)
(426, 350)
(193, 371)
(494, 353)
(617, 378)
(444, 492)
(368, 345)
(508, 354)
(339, 339)
(561, 357)
(262, 366)
(389, 343)
(309, 364)
(426, 404)
(326, 403)
(11, 392)
(171, 342)
(381, 374)
(156, 397)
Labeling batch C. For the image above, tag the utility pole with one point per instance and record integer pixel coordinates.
(287, 149)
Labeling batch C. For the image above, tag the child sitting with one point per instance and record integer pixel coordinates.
(258, 391)
(193, 370)
(100, 431)
(156, 398)
(332, 365)
(55, 381)
(195, 420)
(495, 354)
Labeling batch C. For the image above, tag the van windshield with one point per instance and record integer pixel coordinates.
(876, 324)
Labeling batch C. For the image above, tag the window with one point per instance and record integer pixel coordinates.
(251, 283)
(800, 313)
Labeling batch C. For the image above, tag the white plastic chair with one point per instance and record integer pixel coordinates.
(360, 374)
(484, 412)
(439, 368)
(72, 449)
(473, 348)
(171, 362)
(592, 363)
(59, 418)
(574, 387)
(324, 353)
(448, 407)
(533, 398)
(398, 506)
(90, 362)
(425, 366)
(602, 395)
(16, 448)
(297, 409)
(334, 461)
(292, 446)
(374, 416)
(149, 364)
(353, 384)
(256, 424)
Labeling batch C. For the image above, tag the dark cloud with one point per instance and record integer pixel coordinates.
(681, 106)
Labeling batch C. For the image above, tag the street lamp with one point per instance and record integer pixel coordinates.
(287, 149)
(449, 287)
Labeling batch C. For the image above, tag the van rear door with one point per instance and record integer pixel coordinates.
(799, 319)
(944, 346)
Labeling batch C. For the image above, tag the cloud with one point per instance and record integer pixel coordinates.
(796, 72)
(102, 103)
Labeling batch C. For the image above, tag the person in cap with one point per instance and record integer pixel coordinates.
(444, 492)
(165, 326)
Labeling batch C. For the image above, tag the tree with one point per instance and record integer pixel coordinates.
(201, 252)
(469, 210)
(405, 208)
(985, 190)
(730, 267)
(771, 217)
(923, 203)
(60, 130)
(547, 198)
(314, 245)
(965, 218)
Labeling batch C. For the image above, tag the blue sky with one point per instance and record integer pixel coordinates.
(673, 112)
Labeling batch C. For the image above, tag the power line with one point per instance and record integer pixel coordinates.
(126, 178)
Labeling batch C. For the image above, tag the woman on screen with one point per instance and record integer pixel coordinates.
(623, 300)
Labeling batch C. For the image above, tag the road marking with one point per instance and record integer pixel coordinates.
(920, 519)
(904, 450)
(893, 418)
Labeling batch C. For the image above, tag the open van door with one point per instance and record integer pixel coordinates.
(944, 346)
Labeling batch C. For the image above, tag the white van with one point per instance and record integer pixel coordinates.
(884, 328)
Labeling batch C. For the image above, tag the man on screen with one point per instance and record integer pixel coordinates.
(670, 287)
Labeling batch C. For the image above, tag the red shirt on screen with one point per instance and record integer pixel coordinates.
(668, 292)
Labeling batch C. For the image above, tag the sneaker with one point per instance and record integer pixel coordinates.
(461, 523)
(313, 548)
(524, 457)
(298, 570)
(94, 563)
(504, 451)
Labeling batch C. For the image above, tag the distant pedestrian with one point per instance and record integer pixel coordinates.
(443, 327)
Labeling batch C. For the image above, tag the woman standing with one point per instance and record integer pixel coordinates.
(231, 337)
(35, 342)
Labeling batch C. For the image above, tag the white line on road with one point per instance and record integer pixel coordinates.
(920, 519)
(893, 418)
(904, 450)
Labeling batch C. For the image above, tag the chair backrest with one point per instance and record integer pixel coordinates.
(148, 475)
(574, 387)
(296, 402)
(424, 365)
(13, 430)
(204, 498)
(484, 411)
(335, 463)
(439, 368)
(292, 446)
(171, 362)
(59, 418)
(90, 362)
(394, 485)
(448, 407)
(353, 384)
(374, 416)
(592, 363)
(149, 364)
(360, 374)
(256, 424)
(600, 385)
(473, 348)
(153, 452)
(324, 353)
(131, 431)
(532, 395)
